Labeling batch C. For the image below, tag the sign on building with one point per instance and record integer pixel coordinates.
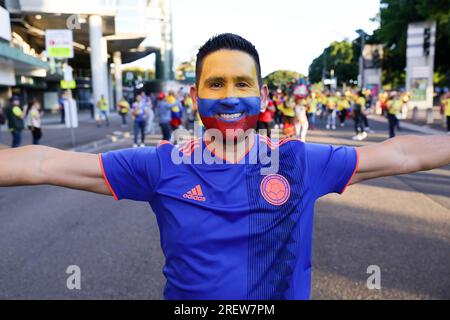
(420, 63)
(59, 43)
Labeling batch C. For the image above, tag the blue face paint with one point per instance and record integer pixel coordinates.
(210, 109)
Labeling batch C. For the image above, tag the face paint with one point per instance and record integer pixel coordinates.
(229, 92)
(229, 113)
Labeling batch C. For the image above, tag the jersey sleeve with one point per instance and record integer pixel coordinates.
(131, 173)
(330, 168)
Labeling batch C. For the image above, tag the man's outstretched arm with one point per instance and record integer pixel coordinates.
(32, 165)
(402, 155)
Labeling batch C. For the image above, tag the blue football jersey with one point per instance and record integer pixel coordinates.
(231, 230)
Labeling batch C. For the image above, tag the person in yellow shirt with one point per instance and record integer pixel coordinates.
(359, 106)
(343, 105)
(331, 111)
(287, 110)
(393, 110)
(447, 113)
(15, 115)
(103, 107)
(446, 108)
(124, 108)
(312, 103)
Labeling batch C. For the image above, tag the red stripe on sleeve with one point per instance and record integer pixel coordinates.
(105, 177)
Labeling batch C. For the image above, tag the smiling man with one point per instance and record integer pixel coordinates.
(228, 231)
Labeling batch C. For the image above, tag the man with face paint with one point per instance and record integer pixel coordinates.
(228, 230)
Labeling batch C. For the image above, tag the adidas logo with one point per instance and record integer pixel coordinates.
(195, 194)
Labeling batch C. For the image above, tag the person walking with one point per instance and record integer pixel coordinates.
(34, 116)
(301, 120)
(15, 115)
(394, 109)
(124, 108)
(2, 118)
(149, 128)
(313, 102)
(139, 116)
(265, 120)
(331, 112)
(343, 105)
(358, 109)
(164, 109)
(287, 108)
(446, 109)
(103, 107)
(190, 113)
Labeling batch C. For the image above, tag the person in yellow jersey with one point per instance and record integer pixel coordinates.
(383, 102)
(312, 103)
(446, 108)
(394, 109)
(405, 98)
(331, 111)
(287, 110)
(103, 107)
(359, 106)
(343, 105)
(124, 108)
(15, 115)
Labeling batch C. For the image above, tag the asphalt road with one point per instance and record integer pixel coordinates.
(401, 224)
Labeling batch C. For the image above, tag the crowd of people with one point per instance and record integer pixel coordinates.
(20, 117)
(293, 115)
(296, 114)
(171, 111)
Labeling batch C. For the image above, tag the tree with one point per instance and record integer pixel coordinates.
(342, 57)
(395, 15)
(281, 79)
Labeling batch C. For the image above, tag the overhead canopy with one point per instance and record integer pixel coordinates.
(33, 30)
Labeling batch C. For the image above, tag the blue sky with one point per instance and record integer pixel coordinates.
(288, 34)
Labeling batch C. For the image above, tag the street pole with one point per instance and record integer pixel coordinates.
(69, 104)
(69, 77)
(362, 35)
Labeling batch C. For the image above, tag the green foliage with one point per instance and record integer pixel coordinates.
(342, 57)
(281, 78)
(395, 15)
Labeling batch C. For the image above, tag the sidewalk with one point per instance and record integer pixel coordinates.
(408, 124)
(438, 123)
(55, 134)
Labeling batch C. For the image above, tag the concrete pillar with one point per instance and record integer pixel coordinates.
(166, 38)
(99, 59)
(111, 98)
(117, 59)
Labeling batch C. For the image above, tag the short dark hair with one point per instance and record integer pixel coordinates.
(228, 41)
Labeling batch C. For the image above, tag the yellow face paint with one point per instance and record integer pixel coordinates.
(228, 73)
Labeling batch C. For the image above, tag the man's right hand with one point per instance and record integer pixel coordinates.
(33, 165)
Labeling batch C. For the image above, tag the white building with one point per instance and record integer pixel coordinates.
(106, 33)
